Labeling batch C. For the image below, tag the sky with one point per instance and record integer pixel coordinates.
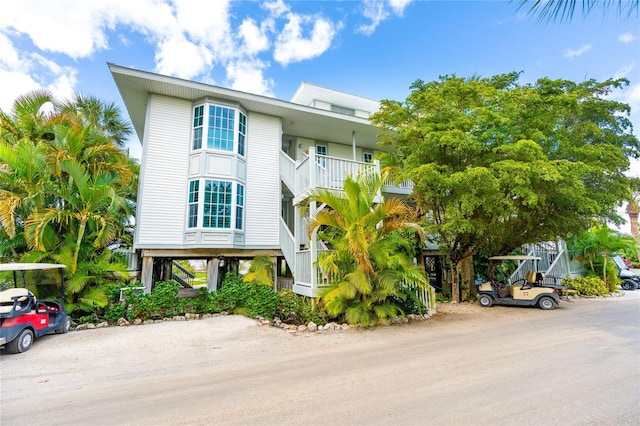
(371, 48)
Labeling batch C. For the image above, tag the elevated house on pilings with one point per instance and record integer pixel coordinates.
(223, 173)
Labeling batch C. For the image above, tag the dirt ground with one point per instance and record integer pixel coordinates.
(230, 370)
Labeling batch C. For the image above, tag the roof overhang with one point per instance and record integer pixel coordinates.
(135, 86)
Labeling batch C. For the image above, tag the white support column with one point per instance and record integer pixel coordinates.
(353, 144)
(146, 275)
(212, 273)
(313, 245)
(312, 167)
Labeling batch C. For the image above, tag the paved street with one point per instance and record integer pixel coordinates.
(578, 364)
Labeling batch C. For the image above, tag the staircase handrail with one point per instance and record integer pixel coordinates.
(181, 275)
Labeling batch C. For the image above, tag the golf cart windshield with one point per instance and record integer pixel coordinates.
(44, 280)
(501, 268)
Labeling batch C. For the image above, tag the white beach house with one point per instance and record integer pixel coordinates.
(223, 171)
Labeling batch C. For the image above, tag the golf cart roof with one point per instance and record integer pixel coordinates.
(29, 266)
(515, 257)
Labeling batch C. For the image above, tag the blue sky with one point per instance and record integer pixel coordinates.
(371, 48)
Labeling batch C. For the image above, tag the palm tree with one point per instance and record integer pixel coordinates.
(598, 245)
(105, 117)
(23, 180)
(260, 271)
(30, 118)
(85, 209)
(371, 260)
(563, 10)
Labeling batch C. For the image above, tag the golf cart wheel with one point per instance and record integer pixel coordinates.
(65, 327)
(546, 303)
(485, 300)
(22, 343)
(628, 285)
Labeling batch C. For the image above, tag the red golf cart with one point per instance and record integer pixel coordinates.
(22, 316)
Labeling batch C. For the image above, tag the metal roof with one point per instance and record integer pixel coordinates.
(135, 86)
(29, 266)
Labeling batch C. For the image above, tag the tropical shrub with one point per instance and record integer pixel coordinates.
(371, 258)
(595, 248)
(587, 286)
(250, 299)
(260, 271)
(295, 309)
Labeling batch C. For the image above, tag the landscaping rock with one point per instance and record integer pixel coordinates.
(312, 326)
(122, 322)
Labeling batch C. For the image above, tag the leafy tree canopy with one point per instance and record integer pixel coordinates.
(498, 164)
(67, 189)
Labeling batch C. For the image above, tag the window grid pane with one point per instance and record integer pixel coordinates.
(194, 185)
(221, 128)
(239, 205)
(242, 132)
(198, 117)
(217, 204)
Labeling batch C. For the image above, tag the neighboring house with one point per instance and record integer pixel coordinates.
(223, 172)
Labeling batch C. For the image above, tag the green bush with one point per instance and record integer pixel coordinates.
(587, 286)
(296, 309)
(248, 299)
(408, 302)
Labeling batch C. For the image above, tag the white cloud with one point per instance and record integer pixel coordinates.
(23, 72)
(248, 76)
(377, 11)
(625, 71)
(626, 38)
(399, 6)
(188, 39)
(574, 53)
(66, 26)
(255, 39)
(179, 57)
(292, 45)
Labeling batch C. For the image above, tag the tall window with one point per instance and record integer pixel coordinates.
(217, 204)
(239, 205)
(220, 131)
(194, 185)
(217, 128)
(198, 116)
(242, 132)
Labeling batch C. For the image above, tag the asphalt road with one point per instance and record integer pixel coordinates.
(578, 364)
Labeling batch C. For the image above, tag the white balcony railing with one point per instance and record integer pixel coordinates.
(287, 245)
(322, 171)
(288, 170)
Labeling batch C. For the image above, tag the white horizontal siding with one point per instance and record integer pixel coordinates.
(163, 175)
(263, 181)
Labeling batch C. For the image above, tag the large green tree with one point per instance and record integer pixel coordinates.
(497, 164)
(67, 189)
(371, 260)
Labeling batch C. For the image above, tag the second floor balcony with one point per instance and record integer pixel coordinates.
(317, 171)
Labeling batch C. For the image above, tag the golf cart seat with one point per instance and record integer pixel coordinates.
(7, 298)
(531, 277)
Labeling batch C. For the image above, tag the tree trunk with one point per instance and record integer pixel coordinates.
(633, 221)
(467, 287)
(455, 283)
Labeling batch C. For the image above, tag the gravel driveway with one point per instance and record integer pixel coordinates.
(577, 364)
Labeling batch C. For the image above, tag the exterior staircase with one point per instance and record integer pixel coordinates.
(554, 262)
